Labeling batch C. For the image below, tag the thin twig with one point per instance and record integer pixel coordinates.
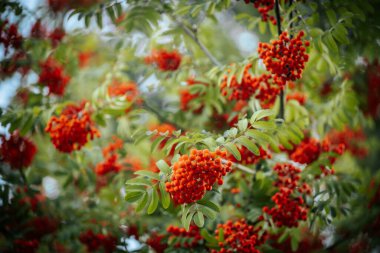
(194, 36)
(241, 167)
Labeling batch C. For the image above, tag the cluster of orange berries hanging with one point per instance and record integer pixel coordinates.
(264, 7)
(189, 239)
(195, 174)
(72, 129)
(239, 236)
(110, 163)
(53, 77)
(289, 209)
(285, 58)
(164, 60)
(17, 151)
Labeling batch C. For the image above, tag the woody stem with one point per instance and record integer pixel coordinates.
(281, 114)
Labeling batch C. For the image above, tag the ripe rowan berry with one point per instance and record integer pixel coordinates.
(196, 173)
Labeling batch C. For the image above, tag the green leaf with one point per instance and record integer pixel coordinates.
(142, 202)
(211, 214)
(233, 150)
(133, 196)
(209, 204)
(188, 220)
(264, 125)
(208, 237)
(258, 115)
(111, 13)
(99, 19)
(139, 181)
(154, 203)
(165, 197)
(242, 124)
(147, 173)
(249, 145)
(156, 142)
(199, 219)
(163, 166)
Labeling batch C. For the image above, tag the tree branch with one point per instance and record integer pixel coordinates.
(281, 114)
(194, 36)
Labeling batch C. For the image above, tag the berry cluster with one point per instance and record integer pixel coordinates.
(9, 36)
(17, 151)
(248, 158)
(25, 246)
(39, 31)
(267, 90)
(239, 236)
(264, 7)
(110, 164)
(288, 210)
(195, 174)
(351, 139)
(164, 60)
(298, 96)
(285, 58)
(72, 129)
(52, 76)
(19, 61)
(94, 242)
(186, 97)
(127, 89)
(156, 242)
(307, 151)
(261, 87)
(239, 91)
(189, 238)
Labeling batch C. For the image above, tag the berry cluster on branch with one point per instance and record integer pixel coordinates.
(72, 129)
(196, 173)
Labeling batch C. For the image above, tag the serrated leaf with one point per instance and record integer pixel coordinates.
(154, 202)
(165, 197)
(147, 173)
(199, 219)
(232, 149)
(163, 166)
(249, 144)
